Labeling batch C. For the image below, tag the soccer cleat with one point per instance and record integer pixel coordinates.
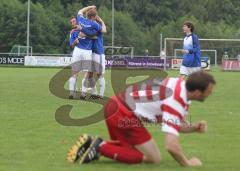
(92, 152)
(79, 148)
(83, 97)
(94, 97)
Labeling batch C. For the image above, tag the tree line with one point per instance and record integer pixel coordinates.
(138, 23)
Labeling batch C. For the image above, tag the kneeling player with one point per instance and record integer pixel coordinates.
(130, 141)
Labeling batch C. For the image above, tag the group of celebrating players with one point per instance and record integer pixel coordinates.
(86, 39)
(165, 102)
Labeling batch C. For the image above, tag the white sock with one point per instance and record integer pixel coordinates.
(101, 85)
(84, 88)
(92, 84)
(72, 85)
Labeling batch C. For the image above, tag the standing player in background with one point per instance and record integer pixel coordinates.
(191, 51)
(82, 53)
(130, 141)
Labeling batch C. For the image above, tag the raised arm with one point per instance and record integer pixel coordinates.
(85, 9)
(104, 28)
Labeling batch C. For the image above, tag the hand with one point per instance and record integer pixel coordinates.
(79, 27)
(98, 19)
(201, 126)
(76, 41)
(194, 162)
(82, 35)
(185, 51)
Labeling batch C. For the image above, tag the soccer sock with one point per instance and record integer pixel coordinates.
(120, 153)
(92, 84)
(101, 85)
(84, 88)
(72, 85)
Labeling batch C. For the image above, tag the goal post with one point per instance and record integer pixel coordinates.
(21, 50)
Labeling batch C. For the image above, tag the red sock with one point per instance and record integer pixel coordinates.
(120, 153)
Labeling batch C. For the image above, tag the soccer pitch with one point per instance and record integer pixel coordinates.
(31, 139)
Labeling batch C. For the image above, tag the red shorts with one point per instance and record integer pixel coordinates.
(123, 125)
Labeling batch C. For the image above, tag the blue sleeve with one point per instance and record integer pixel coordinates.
(80, 19)
(72, 38)
(196, 46)
(89, 32)
(96, 26)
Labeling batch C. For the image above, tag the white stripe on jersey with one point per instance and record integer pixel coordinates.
(175, 105)
(168, 129)
(168, 117)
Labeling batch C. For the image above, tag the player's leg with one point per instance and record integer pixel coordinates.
(75, 70)
(86, 59)
(121, 151)
(99, 69)
(150, 150)
(84, 85)
(135, 143)
(194, 69)
(184, 72)
(73, 84)
(100, 75)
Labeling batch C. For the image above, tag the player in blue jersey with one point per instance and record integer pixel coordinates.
(82, 53)
(191, 51)
(98, 57)
(98, 64)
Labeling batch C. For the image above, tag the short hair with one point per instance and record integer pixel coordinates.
(199, 81)
(72, 18)
(189, 25)
(91, 13)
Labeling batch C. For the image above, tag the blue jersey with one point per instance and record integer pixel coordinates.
(98, 44)
(192, 59)
(87, 43)
(98, 47)
(73, 36)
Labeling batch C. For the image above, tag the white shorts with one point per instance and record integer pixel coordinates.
(81, 60)
(98, 63)
(188, 70)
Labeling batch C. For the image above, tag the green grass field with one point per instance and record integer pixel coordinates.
(31, 139)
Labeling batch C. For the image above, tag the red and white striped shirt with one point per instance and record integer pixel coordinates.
(164, 103)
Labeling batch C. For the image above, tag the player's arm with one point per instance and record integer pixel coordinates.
(172, 116)
(89, 32)
(200, 127)
(196, 45)
(73, 41)
(104, 28)
(85, 9)
(174, 148)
